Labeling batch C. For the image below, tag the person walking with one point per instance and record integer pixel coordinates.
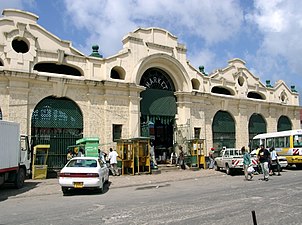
(113, 162)
(246, 163)
(102, 156)
(264, 158)
(181, 158)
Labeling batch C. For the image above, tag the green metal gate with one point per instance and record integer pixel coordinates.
(223, 128)
(284, 124)
(257, 125)
(59, 123)
(58, 147)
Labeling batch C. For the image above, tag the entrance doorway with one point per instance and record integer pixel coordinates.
(223, 128)
(59, 123)
(158, 109)
(257, 125)
(284, 123)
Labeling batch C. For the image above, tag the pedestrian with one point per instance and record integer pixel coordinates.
(102, 156)
(247, 162)
(264, 158)
(274, 162)
(152, 155)
(173, 158)
(113, 162)
(81, 153)
(69, 155)
(211, 158)
(181, 158)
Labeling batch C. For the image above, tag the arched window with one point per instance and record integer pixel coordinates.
(222, 90)
(59, 69)
(195, 84)
(117, 72)
(255, 95)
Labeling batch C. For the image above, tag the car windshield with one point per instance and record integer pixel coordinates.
(82, 163)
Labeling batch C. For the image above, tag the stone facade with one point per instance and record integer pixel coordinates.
(105, 100)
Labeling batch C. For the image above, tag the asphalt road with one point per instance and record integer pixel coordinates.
(206, 200)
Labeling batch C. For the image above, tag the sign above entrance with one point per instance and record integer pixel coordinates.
(157, 79)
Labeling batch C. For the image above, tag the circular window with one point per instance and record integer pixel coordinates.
(20, 45)
(240, 81)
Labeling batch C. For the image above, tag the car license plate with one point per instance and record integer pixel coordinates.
(78, 184)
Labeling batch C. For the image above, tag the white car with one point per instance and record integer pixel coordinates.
(282, 161)
(84, 172)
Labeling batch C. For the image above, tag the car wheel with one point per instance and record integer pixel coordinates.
(20, 177)
(64, 190)
(299, 166)
(228, 170)
(216, 167)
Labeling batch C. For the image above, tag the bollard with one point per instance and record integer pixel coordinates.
(254, 217)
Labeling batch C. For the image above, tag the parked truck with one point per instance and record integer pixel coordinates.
(15, 156)
(231, 160)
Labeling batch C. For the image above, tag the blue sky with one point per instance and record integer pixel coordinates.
(265, 34)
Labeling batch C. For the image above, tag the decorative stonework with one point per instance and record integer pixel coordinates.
(105, 100)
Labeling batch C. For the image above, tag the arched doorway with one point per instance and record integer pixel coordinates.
(0, 114)
(257, 125)
(58, 122)
(223, 128)
(158, 109)
(284, 123)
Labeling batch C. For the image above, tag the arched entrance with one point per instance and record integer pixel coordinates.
(223, 128)
(0, 114)
(257, 125)
(58, 122)
(158, 109)
(284, 123)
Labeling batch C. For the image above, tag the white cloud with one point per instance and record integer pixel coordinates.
(280, 23)
(204, 58)
(108, 21)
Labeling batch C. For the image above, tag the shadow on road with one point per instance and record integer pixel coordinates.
(8, 190)
(88, 191)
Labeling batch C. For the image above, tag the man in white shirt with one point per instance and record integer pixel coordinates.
(113, 162)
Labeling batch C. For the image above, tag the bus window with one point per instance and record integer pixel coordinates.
(279, 142)
(286, 142)
(269, 142)
(297, 141)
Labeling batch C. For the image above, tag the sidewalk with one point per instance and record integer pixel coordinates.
(51, 186)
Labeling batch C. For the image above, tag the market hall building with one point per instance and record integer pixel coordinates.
(148, 88)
